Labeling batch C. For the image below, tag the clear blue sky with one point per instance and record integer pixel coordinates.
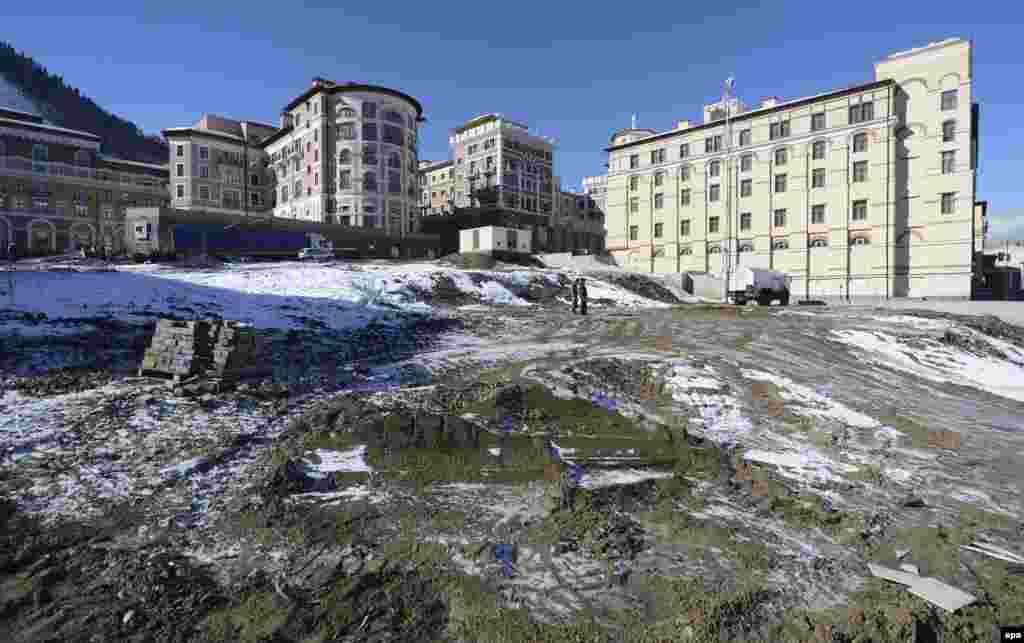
(573, 70)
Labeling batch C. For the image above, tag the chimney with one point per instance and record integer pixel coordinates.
(770, 101)
(682, 124)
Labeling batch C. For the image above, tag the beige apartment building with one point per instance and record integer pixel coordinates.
(59, 192)
(218, 165)
(437, 185)
(865, 191)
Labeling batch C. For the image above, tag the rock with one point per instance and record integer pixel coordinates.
(295, 477)
(913, 501)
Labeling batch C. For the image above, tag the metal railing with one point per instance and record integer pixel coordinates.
(52, 168)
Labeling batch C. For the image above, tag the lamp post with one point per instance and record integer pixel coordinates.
(727, 258)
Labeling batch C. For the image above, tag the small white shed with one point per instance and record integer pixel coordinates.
(491, 239)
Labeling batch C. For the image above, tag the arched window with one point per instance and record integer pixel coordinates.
(714, 250)
(780, 244)
(860, 142)
(819, 243)
(747, 247)
(345, 157)
(860, 241)
(346, 112)
(687, 250)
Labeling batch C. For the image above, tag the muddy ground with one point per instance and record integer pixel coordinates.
(738, 469)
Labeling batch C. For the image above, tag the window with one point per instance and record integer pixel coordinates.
(746, 247)
(347, 131)
(204, 172)
(659, 178)
(861, 113)
(686, 251)
(948, 161)
(345, 157)
(659, 201)
(684, 150)
(204, 192)
(860, 241)
(948, 202)
(949, 100)
(860, 142)
(780, 244)
(476, 240)
(817, 122)
(684, 228)
(369, 131)
(634, 231)
(745, 218)
(369, 110)
(778, 130)
(819, 243)
(204, 153)
(818, 213)
(714, 168)
(779, 218)
(860, 210)
(284, 193)
(948, 131)
(780, 182)
(657, 156)
(634, 161)
(860, 171)
(634, 183)
(818, 150)
(744, 137)
(818, 177)
(714, 250)
(713, 144)
(746, 162)
(714, 192)
(684, 173)
(181, 191)
(746, 187)
(634, 205)
(780, 156)
(684, 197)
(180, 150)
(658, 227)
(181, 169)
(712, 224)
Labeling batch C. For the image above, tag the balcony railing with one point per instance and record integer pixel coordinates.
(28, 166)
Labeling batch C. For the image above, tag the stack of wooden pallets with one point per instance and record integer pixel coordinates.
(218, 349)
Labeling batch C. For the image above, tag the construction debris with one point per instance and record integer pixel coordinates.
(932, 590)
(182, 349)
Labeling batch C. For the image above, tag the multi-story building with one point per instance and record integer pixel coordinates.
(437, 185)
(866, 191)
(576, 224)
(492, 150)
(59, 193)
(596, 187)
(346, 154)
(217, 165)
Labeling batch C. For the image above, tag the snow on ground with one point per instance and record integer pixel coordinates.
(813, 403)
(721, 418)
(351, 460)
(942, 363)
(619, 296)
(805, 464)
(593, 479)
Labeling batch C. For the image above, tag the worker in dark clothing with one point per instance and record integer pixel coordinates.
(583, 296)
(10, 251)
(575, 295)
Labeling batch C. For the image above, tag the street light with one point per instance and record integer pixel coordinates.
(726, 96)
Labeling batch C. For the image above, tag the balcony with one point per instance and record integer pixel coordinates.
(23, 166)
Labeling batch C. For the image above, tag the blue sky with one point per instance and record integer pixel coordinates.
(569, 69)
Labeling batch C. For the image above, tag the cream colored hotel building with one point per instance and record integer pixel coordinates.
(867, 191)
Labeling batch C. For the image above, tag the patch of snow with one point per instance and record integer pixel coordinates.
(805, 464)
(351, 460)
(608, 478)
(814, 404)
(939, 362)
(182, 469)
(494, 451)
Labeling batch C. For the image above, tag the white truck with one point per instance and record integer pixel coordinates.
(760, 285)
(318, 247)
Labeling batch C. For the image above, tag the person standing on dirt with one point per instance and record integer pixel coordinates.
(575, 295)
(10, 251)
(583, 296)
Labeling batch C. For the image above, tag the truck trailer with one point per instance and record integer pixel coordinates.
(760, 285)
(219, 240)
